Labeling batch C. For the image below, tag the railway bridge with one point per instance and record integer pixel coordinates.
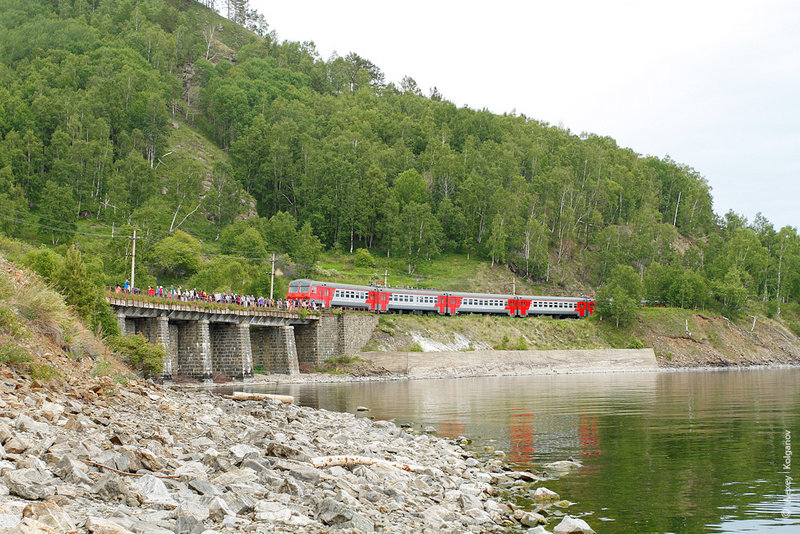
(204, 340)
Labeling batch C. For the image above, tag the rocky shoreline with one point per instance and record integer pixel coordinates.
(96, 456)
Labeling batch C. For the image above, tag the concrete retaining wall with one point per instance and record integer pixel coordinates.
(512, 362)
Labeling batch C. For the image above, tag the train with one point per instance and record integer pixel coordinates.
(381, 299)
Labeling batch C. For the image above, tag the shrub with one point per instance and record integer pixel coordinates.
(503, 345)
(363, 258)
(146, 358)
(13, 354)
(102, 368)
(635, 343)
(43, 372)
(10, 323)
(521, 344)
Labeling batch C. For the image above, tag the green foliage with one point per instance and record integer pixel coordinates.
(45, 262)
(363, 258)
(83, 290)
(146, 358)
(102, 368)
(42, 372)
(11, 324)
(730, 292)
(12, 354)
(635, 343)
(619, 298)
(177, 256)
(308, 251)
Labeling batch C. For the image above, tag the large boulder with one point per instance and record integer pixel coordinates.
(30, 483)
(50, 514)
(573, 525)
(72, 471)
(152, 491)
(340, 516)
(543, 495)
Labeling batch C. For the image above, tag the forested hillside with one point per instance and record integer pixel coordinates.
(221, 144)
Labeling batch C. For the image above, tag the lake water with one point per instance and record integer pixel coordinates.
(694, 451)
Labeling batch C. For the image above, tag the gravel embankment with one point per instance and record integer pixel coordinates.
(94, 456)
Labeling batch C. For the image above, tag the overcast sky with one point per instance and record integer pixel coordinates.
(713, 84)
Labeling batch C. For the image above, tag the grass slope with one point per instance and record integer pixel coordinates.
(41, 338)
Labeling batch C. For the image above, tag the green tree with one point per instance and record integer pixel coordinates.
(307, 251)
(418, 234)
(176, 256)
(620, 296)
(83, 292)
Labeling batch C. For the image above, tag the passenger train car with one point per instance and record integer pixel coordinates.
(391, 299)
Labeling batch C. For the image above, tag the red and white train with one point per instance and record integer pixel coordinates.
(399, 300)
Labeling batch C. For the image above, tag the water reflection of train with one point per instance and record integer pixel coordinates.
(407, 300)
(535, 437)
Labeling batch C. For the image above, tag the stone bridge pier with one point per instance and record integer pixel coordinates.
(203, 344)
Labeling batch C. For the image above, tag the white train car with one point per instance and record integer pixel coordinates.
(398, 300)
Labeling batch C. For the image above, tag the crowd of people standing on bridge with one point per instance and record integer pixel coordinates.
(195, 295)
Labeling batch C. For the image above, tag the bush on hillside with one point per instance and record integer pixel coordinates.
(146, 358)
(363, 258)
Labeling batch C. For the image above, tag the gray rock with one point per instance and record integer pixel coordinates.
(152, 491)
(98, 525)
(204, 487)
(240, 503)
(17, 445)
(192, 471)
(218, 509)
(272, 512)
(71, 470)
(31, 526)
(531, 519)
(543, 495)
(301, 471)
(149, 460)
(30, 483)
(51, 411)
(127, 461)
(50, 514)
(478, 515)
(241, 450)
(8, 521)
(27, 424)
(573, 525)
(5, 433)
(339, 516)
(281, 450)
(113, 487)
(189, 518)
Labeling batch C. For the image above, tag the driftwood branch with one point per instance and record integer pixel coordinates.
(348, 461)
(126, 473)
(243, 396)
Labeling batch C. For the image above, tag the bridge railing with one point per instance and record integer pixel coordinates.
(143, 300)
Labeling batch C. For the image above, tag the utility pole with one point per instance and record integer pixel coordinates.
(385, 276)
(514, 286)
(133, 262)
(272, 276)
